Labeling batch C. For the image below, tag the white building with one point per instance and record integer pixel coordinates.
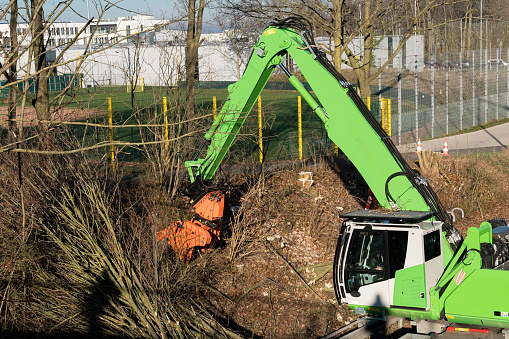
(159, 65)
(97, 33)
(411, 56)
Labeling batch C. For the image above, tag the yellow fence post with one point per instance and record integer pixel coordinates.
(260, 141)
(368, 102)
(389, 117)
(386, 115)
(299, 111)
(112, 148)
(382, 110)
(214, 106)
(166, 145)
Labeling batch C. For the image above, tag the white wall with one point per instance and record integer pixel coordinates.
(164, 65)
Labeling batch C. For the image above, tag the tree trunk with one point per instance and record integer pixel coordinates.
(194, 25)
(41, 101)
(13, 56)
(337, 34)
(362, 70)
(469, 28)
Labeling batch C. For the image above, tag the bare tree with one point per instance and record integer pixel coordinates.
(10, 60)
(193, 42)
(240, 33)
(38, 53)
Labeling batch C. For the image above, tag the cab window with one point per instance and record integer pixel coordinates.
(431, 245)
(365, 260)
(374, 256)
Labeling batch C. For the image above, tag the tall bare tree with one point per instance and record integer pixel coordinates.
(38, 53)
(11, 61)
(193, 42)
(240, 34)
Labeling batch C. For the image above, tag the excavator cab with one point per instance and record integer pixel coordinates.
(388, 260)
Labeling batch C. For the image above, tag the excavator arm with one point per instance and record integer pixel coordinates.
(348, 121)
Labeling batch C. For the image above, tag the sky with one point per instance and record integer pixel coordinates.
(161, 9)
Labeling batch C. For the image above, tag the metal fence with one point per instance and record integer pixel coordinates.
(453, 92)
(445, 94)
(55, 83)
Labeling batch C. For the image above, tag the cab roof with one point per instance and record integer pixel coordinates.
(380, 215)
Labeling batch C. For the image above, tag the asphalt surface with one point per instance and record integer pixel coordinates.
(493, 139)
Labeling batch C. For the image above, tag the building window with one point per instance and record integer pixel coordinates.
(128, 29)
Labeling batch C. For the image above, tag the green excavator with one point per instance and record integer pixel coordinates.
(405, 259)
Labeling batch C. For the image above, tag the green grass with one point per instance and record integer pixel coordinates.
(279, 111)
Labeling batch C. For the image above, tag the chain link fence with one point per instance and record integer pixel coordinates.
(453, 92)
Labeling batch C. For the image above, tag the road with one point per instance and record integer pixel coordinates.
(491, 139)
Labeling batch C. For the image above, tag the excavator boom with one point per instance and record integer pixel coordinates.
(347, 120)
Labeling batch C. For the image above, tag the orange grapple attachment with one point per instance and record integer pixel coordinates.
(210, 206)
(183, 237)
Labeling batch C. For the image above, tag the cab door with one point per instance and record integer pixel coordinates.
(366, 268)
